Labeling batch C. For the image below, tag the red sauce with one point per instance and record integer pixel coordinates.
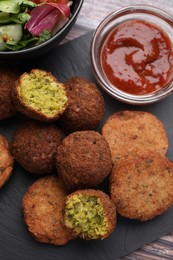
(137, 57)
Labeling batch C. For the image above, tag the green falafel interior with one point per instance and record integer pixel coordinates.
(84, 214)
(42, 92)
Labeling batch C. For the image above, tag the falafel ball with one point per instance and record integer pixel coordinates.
(39, 95)
(90, 214)
(86, 106)
(6, 161)
(43, 211)
(8, 78)
(132, 131)
(141, 186)
(34, 145)
(83, 160)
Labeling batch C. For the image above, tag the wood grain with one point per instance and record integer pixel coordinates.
(93, 11)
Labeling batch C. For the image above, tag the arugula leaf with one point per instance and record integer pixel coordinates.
(44, 36)
(20, 18)
(26, 41)
(23, 17)
(29, 4)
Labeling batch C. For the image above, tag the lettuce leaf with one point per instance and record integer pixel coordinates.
(9, 6)
(4, 18)
(14, 6)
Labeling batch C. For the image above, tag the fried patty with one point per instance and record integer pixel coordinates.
(40, 96)
(6, 161)
(141, 186)
(86, 106)
(83, 159)
(8, 76)
(90, 214)
(34, 146)
(42, 209)
(131, 131)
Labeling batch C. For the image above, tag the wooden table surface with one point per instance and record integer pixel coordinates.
(93, 11)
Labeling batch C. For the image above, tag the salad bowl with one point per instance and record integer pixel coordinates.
(32, 50)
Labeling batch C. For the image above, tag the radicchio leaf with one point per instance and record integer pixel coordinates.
(45, 17)
(55, 1)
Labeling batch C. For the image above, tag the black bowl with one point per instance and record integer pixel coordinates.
(33, 52)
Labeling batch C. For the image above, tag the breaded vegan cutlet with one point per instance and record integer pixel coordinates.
(86, 106)
(83, 160)
(8, 76)
(39, 95)
(90, 214)
(130, 131)
(42, 209)
(6, 161)
(141, 186)
(34, 146)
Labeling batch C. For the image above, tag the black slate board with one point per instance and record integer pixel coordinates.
(15, 241)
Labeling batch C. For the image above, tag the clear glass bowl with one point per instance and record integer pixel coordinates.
(138, 12)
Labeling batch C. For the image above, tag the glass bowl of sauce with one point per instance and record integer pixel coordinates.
(132, 54)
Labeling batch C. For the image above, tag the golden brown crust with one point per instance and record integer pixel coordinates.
(6, 161)
(131, 131)
(141, 186)
(42, 208)
(83, 160)
(34, 146)
(86, 106)
(108, 206)
(8, 76)
(29, 111)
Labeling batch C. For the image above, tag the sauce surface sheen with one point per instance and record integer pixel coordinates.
(137, 57)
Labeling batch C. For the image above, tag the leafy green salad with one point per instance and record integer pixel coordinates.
(24, 23)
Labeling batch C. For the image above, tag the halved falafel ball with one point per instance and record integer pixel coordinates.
(83, 160)
(8, 76)
(86, 106)
(40, 95)
(90, 214)
(6, 161)
(43, 211)
(141, 186)
(34, 145)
